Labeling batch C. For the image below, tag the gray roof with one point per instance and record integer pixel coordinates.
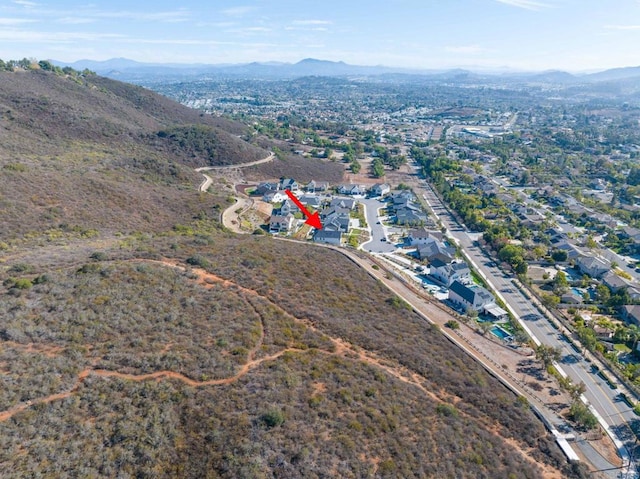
(468, 293)
(325, 234)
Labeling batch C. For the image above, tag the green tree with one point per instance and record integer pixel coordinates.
(46, 65)
(521, 268)
(581, 415)
(559, 255)
(377, 168)
(560, 283)
(603, 293)
(550, 300)
(452, 324)
(548, 355)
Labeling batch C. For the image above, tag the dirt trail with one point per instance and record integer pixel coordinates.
(341, 349)
(269, 158)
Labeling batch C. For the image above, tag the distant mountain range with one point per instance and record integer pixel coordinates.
(125, 69)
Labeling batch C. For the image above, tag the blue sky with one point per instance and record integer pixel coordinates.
(574, 35)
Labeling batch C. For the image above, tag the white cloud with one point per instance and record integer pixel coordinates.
(465, 49)
(27, 36)
(75, 20)
(526, 4)
(15, 21)
(312, 22)
(169, 17)
(237, 11)
(25, 3)
(303, 29)
(622, 27)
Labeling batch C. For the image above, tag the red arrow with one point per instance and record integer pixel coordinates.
(313, 220)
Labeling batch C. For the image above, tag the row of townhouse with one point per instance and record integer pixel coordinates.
(273, 192)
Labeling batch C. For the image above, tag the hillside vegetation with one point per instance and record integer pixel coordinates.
(141, 339)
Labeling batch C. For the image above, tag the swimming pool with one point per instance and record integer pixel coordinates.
(501, 333)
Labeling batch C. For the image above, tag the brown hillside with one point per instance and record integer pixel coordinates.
(87, 153)
(59, 110)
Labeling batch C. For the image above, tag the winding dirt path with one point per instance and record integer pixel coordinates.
(269, 158)
(341, 349)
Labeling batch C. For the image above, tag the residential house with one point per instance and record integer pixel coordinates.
(573, 252)
(327, 236)
(602, 332)
(277, 196)
(447, 273)
(571, 297)
(486, 185)
(313, 201)
(604, 219)
(406, 211)
(632, 234)
(280, 223)
(631, 314)
(634, 293)
(434, 249)
(401, 196)
(288, 184)
(411, 217)
(353, 190)
(594, 267)
(469, 296)
(614, 282)
(288, 207)
(316, 186)
(335, 219)
(265, 187)
(422, 236)
(380, 189)
(348, 203)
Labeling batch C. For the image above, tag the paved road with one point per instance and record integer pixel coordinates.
(616, 413)
(377, 230)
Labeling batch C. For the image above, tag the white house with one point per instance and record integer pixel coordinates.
(354, 190)
(380, 189)
(447, 273)
(469, 297)
(275, 196)
(316, 186)
(280, 223)
(422, 236)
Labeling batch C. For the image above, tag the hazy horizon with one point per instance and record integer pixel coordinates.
(520, 35)
(473, 68)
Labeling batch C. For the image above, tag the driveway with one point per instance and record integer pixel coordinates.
(376, 228)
